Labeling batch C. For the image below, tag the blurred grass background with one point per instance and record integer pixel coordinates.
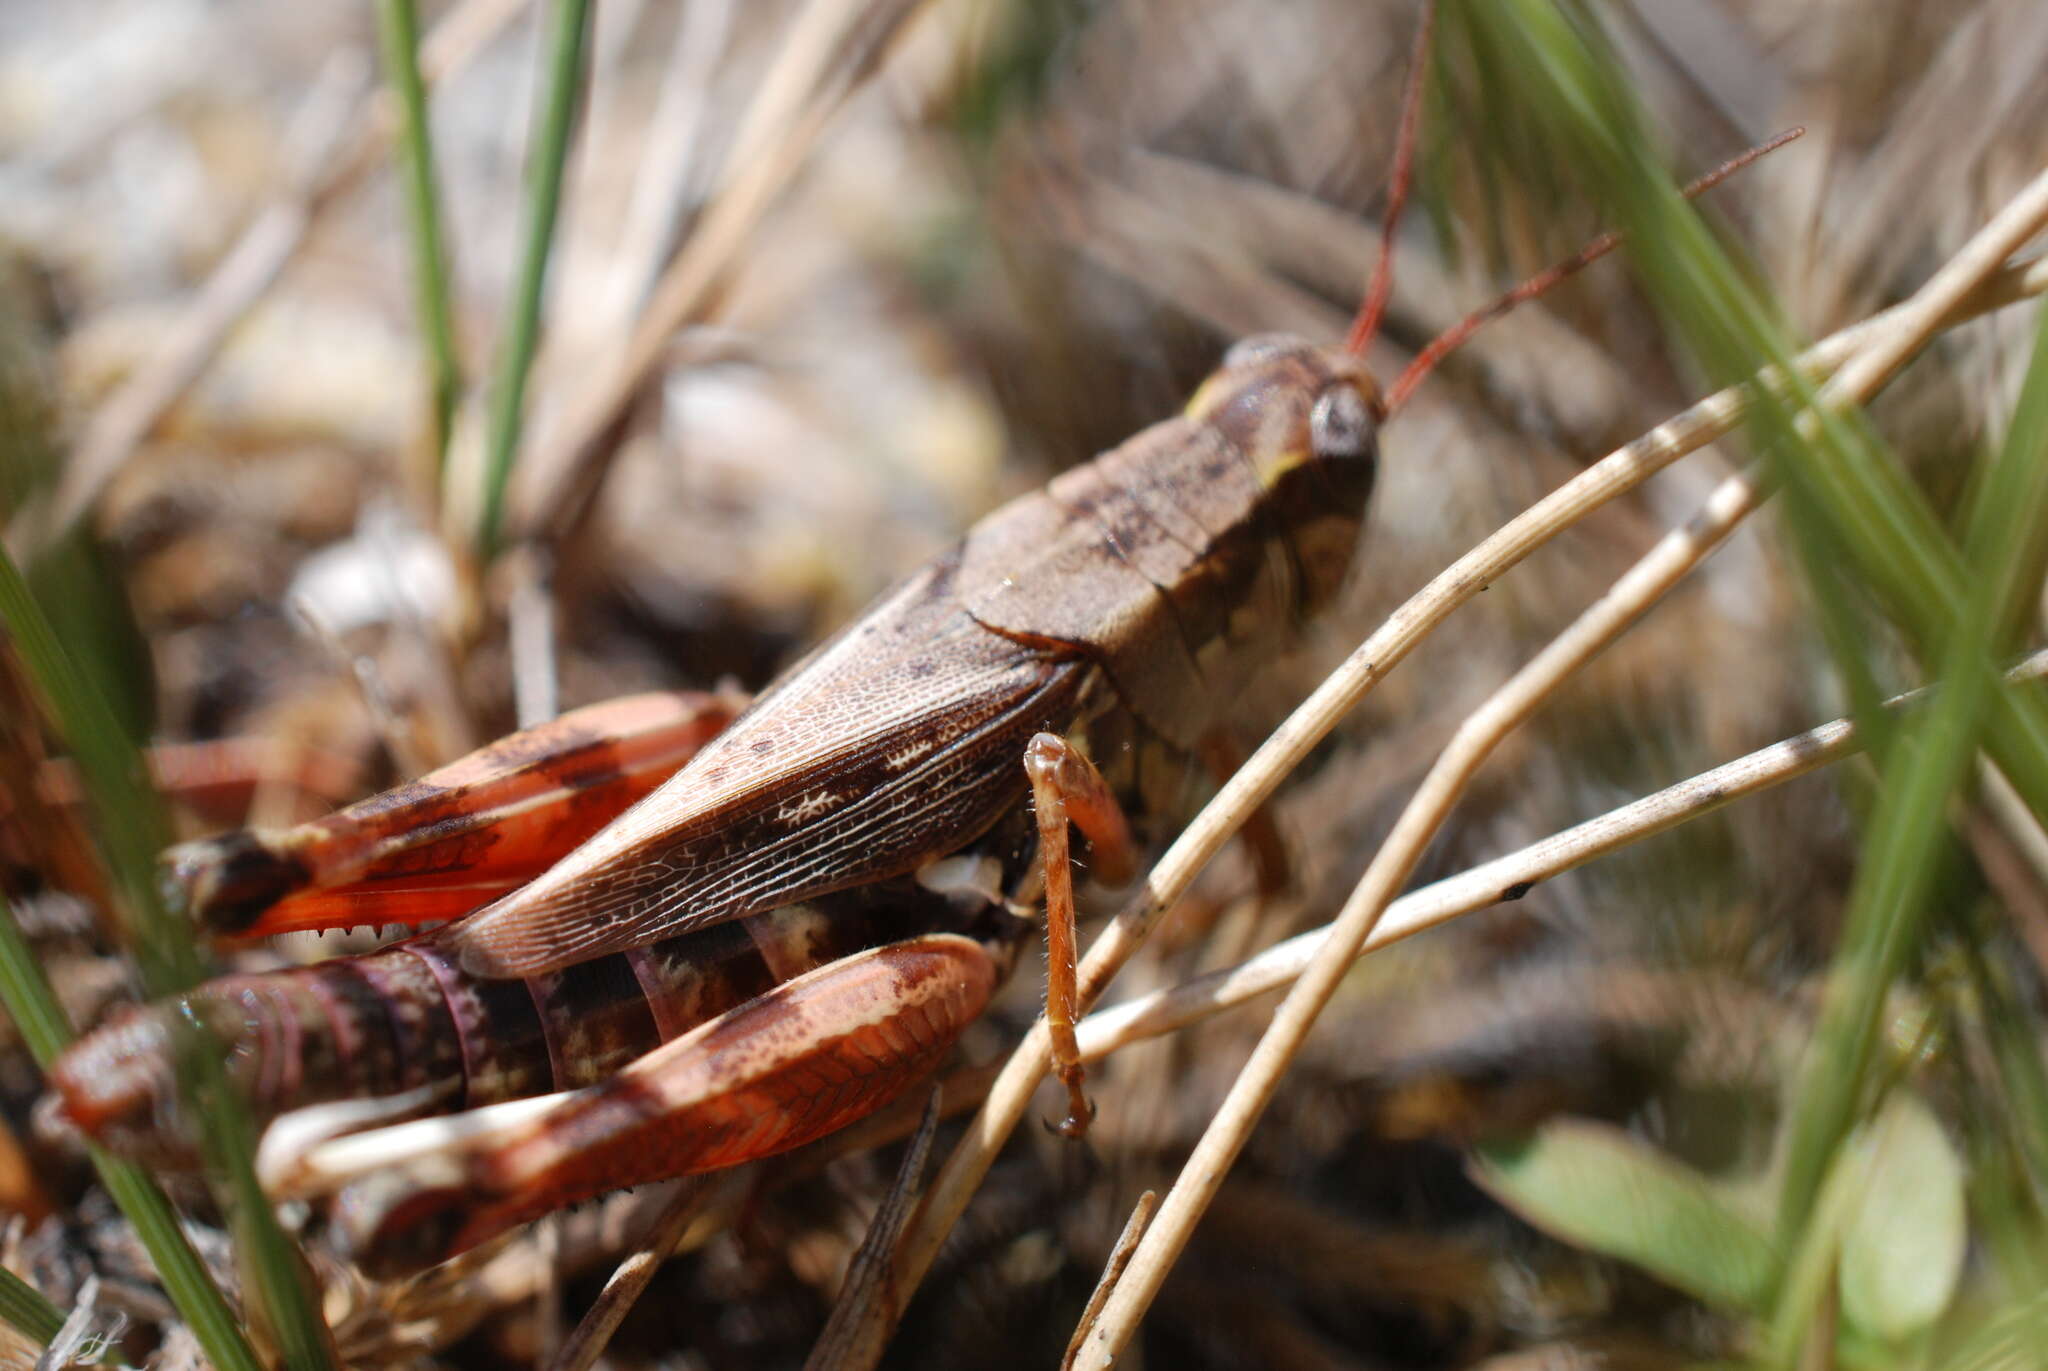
(1028, 232)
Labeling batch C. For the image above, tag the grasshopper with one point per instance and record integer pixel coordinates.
(873, 795)
(797, 924)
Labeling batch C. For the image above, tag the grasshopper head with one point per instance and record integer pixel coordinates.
(1307, 419)
(1345, 407)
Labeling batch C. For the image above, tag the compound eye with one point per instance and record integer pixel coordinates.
(1341, 424)
(1260, 347)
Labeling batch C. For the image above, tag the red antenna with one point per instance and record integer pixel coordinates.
(1368, 321)
(1444, 343)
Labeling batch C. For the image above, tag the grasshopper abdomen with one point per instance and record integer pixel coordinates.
(407, 1020)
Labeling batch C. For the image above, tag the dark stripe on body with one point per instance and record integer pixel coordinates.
(372, 1048)
(699, 976)
(504, 1047)
(429, 1048)
(596, 1018)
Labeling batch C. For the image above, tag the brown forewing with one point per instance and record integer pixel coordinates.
(896, 742)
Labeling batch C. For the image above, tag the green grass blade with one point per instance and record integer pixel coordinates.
(130, 828)
(34, 1009)
(1866, 536)
(129, 825)
(26, 1308)
(1887, 901)
(30, 1002)
(398, 32)
(1863, 512)
(554, 119)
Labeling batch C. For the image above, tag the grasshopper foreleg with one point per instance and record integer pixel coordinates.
(1066, 788)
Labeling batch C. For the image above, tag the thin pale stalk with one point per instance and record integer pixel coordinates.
(1504, 878)
(1112, 1272)
(568, 34)
(1613, 476)
(2021, 826)
(398, 32)
(530, 625)
(671, 172)
(629, 1281)
(832, 47)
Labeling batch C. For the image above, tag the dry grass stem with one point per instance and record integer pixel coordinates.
(855, 1335)
(327, 165)
(1910, 326)
(1599, 484)
(1505, 877)
(530, 627)
(2029, 839)
(1112, 1271)
(1627, 600)
(831, 47)
(669, 173)
(587, 1343)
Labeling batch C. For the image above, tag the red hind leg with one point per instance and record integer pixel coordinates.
(806, 1058)
(455, 839)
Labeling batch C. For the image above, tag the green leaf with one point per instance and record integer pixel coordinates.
(1902, 1253)
(1598, 1188)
